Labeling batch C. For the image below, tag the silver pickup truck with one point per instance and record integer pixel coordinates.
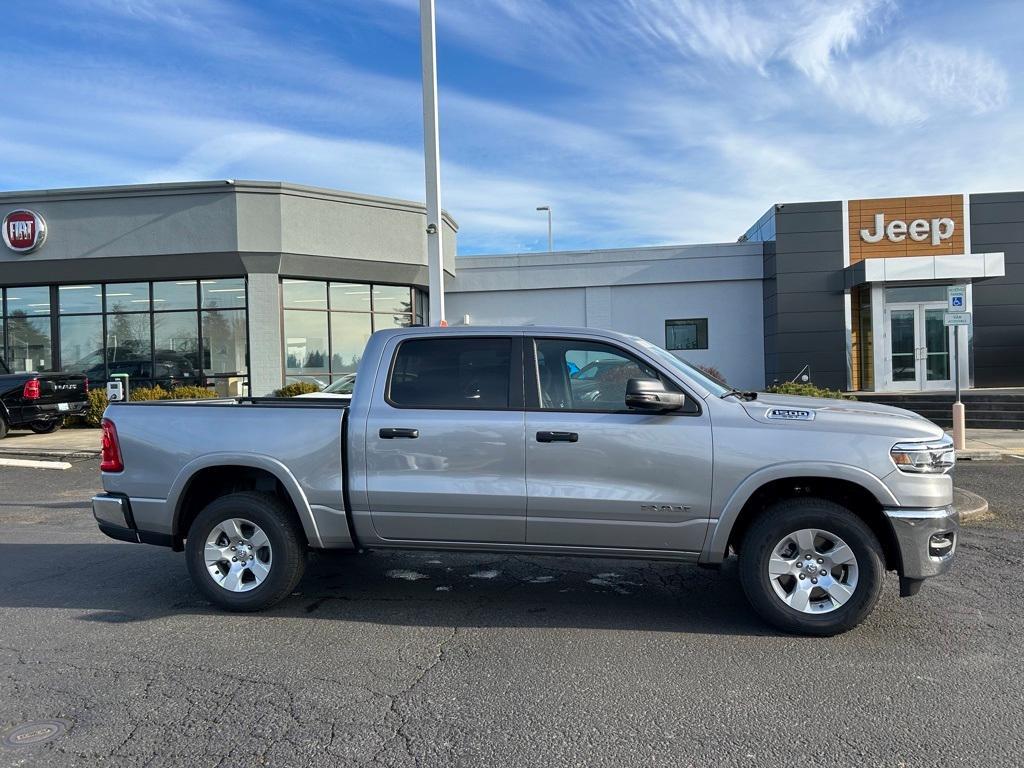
(544, 441)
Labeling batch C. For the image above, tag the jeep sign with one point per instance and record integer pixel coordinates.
(24, 231)
(919, 230)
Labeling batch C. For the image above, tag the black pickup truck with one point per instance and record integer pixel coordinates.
(39, 401)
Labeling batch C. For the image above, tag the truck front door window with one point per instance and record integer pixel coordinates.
(585, 376)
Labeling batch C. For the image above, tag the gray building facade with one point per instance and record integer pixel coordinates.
(239, 285)
(861, 307)
(243, 286)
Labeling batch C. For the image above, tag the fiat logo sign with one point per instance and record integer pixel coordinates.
(24, 231)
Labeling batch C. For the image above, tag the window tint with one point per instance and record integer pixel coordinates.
(452, 373)
(585, 376)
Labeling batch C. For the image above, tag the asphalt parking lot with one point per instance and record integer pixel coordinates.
(440, 659)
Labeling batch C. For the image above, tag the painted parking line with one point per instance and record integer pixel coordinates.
(33, 464)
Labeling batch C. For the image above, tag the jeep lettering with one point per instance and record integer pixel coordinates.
(919, 230)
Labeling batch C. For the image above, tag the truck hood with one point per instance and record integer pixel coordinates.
(843, 415)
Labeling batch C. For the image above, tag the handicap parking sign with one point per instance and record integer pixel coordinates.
(957, 296)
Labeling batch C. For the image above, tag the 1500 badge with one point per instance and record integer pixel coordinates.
(790, 414)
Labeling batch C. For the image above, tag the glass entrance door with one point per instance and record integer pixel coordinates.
(937, 374)
(903, 337)
(919, 347)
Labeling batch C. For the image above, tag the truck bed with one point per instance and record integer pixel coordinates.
(298, 440)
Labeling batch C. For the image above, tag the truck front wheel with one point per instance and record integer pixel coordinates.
(245, 551)
(811, 566)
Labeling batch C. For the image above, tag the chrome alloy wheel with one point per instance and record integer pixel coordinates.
(238, 555)
(813, 571)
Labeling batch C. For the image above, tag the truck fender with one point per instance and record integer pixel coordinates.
(718, 532)
(256, 461)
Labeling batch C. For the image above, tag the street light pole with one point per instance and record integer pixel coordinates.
(432, 163)
(548, 209)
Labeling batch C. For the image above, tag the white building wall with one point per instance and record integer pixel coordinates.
(633, 290)
(733, 309)
(735, 322)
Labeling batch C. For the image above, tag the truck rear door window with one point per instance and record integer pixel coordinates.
(466, 373)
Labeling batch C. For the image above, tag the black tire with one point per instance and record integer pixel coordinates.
(287, 545)
(46, 427)
(3, 428)
(786, 517)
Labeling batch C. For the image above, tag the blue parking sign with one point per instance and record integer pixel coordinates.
(957, 298)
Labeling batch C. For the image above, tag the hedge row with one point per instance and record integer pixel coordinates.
(296, 388)
(808, 390)
(98, 402)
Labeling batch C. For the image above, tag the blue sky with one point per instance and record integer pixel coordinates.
(641, 122)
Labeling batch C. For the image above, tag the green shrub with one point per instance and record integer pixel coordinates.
(142, 394)
(93, 414)
(296, 388)
(807, 390)
(191, 393)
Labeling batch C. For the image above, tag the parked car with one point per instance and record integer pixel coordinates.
(340, 388)
(39, 401)
(475, 439)
(166, 368)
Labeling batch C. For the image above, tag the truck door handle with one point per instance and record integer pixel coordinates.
(557, 437)
(390, 433)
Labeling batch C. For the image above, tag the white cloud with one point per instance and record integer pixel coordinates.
(911, 82)
(671, 120)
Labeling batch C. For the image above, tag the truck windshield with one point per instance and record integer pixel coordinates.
(669, 360)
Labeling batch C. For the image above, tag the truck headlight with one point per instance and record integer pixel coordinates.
(934, 457)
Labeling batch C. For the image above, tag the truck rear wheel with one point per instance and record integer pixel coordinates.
(810, 566)
(246, 551)
(3, 427)
(46, 427)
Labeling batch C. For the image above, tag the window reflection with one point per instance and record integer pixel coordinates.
(150, 331)
(327, 325)
(223, 293)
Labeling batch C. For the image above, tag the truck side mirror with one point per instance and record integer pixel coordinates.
(651, 395)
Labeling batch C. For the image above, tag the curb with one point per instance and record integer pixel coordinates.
(969, 504)
(974, 454)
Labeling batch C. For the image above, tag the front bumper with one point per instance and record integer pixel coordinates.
(927, 539)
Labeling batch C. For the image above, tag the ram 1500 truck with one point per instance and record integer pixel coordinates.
(493, 439)
(39, 401)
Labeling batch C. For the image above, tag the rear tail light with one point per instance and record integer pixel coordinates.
(31, 390)
(110, 453)
(85, 386)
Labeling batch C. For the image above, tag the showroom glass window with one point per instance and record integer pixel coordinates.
(25, 333)
(327, 325)
(166, 333)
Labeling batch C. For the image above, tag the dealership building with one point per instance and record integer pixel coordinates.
(243, 286)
